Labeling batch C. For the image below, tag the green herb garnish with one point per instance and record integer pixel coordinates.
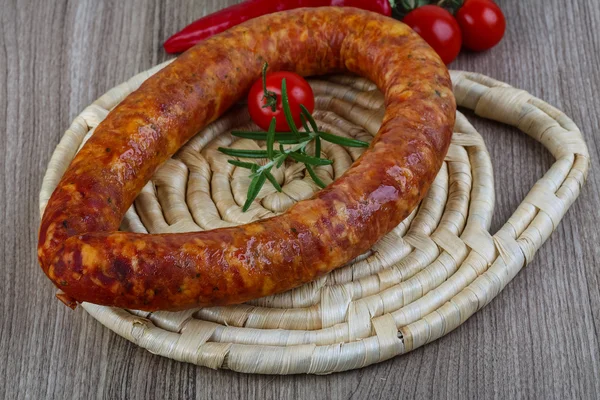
(298, 141)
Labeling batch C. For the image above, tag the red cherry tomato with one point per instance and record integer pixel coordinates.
(482, 24)
(439, 28)
(298, 90)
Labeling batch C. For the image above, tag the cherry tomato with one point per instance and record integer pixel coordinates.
(439, 28)
(298, 90)
(482, 24)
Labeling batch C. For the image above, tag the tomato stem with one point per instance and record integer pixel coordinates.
(400, 8)
(269, 97)
(450, 5)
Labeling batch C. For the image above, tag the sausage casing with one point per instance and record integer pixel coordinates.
(81, 250)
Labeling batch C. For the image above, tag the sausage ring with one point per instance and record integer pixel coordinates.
(82, 252)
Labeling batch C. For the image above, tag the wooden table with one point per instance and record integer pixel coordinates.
(537, 339)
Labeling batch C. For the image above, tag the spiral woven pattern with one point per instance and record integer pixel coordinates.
(418, 283)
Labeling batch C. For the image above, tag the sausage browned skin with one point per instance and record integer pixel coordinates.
(82, 254)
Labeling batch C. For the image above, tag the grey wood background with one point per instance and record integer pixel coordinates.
(537, 339)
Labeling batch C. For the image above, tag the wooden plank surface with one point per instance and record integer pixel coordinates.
(537, 339)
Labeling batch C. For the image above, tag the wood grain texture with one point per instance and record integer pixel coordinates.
(537, 339)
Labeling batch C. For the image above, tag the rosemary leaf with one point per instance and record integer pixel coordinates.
(309, 159)
(244, 153)
(255, 185)
(291, 141)
(314, 176)
(281, 160)
(285, 103)
(242, 164)
(303, 119)
(273, 181)
(271, 138)
(257, 135)
(344, 141)
(250, 135)
(317, 147)
(304, 111)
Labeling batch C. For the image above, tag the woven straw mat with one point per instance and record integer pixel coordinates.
(422, 280)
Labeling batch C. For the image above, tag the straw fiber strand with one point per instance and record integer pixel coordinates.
(418, 283)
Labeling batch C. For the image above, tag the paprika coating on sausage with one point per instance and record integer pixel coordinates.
(81, 250)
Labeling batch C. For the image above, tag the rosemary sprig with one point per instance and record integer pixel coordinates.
(297, 140)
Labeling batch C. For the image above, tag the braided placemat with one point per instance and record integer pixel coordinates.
(418, 283)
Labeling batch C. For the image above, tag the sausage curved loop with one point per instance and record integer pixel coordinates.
(81, 250)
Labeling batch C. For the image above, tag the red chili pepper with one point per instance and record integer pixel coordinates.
(234, 15)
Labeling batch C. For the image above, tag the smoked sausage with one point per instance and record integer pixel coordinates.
(85, 256)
